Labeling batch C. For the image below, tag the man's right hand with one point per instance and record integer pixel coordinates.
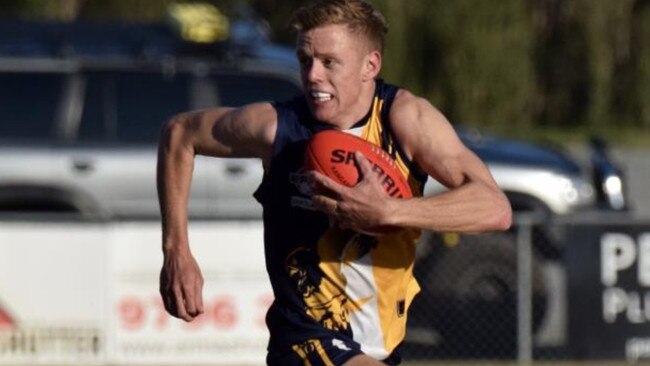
(181, 285)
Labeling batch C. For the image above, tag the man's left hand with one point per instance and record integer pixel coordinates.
(360, 208)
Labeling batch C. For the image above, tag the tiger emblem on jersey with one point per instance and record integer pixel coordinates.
(318, 276)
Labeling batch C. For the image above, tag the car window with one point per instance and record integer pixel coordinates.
(235, 90)
(28, 104)
(130, 107)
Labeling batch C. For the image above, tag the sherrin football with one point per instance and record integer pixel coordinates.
(331, 153)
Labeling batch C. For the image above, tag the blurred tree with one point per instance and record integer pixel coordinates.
(608, 24)
(560, 54)
(506, 64)
(126, 10)
(485, 51)
(61, 10)
(278, 14)
(106, 10)
(412, 55)
(587, 57)
(640, 69)
(628, 97)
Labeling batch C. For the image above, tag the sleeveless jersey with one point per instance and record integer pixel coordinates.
(330, 282)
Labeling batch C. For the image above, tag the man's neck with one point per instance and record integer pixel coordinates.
(365, 103)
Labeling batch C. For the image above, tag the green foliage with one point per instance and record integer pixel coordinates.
(506, 64)
(640, 49)
(472, 58)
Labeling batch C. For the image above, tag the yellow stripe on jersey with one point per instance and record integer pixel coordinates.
(307, 349)
(301, 352)
(393, 259)
(386, 271)
(321, 352)
(372, 132)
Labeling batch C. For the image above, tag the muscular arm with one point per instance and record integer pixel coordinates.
(473, 203)
(222, 132)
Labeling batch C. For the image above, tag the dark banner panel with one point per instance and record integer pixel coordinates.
(608, 266)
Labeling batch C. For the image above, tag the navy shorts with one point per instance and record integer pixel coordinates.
(320, 352)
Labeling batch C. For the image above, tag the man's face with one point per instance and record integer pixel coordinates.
(334, 64)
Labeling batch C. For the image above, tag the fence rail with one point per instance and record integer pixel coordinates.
(534, 293)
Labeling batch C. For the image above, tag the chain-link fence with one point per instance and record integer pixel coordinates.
(490, 296)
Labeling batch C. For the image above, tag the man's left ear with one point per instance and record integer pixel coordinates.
(372, 65)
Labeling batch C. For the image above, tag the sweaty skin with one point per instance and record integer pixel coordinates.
(338, 69)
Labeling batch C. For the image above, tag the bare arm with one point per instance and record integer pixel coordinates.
(474, 203)
(222, 132)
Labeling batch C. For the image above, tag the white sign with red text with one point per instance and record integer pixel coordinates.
(236, 297)
(88, 293)
(53, 293)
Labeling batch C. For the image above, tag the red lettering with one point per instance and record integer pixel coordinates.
(131, 312)
(395, 193)
(350, 158)
(135, 313)
(388, 183)
(377, 169)
(6, 322)
(338, 156)
(224, 313)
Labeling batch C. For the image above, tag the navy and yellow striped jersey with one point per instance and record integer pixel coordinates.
(330, 282)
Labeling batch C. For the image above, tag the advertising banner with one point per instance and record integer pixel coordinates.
(236, 296)
(608, 268)
(80, 293)
(53, 298)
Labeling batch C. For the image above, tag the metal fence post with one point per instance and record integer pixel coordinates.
(524, 288)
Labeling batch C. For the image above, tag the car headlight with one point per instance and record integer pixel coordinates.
(575, 191)
(613, 189)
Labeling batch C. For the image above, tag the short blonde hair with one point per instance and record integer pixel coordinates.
(358, 15)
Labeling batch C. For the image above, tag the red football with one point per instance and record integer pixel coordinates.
(331, 153)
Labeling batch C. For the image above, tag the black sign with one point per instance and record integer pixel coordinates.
(608, 267)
